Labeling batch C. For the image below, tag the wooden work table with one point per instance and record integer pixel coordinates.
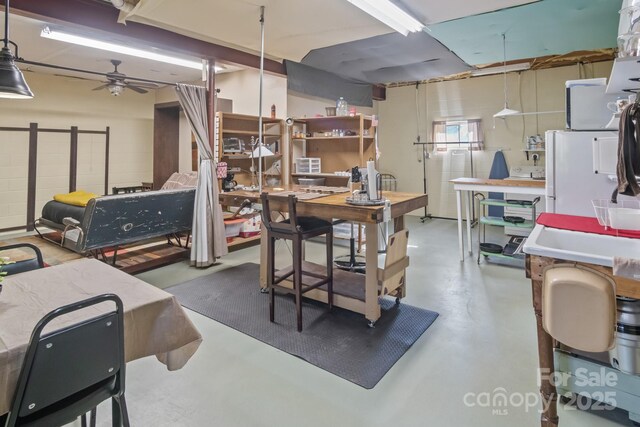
(334, 206)
(469, 185)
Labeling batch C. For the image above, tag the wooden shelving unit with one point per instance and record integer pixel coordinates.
(241, 126)
(243, 242)
(314, 137)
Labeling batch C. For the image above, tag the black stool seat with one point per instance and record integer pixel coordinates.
(297, 229)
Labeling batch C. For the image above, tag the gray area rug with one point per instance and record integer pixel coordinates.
(338, 341)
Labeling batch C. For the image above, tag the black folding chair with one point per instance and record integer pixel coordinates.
(25, 265)
(68, 372)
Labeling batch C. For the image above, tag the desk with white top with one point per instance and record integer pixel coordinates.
(468, 185)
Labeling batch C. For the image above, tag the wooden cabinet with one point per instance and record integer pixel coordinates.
(233, 137)
(339, 142)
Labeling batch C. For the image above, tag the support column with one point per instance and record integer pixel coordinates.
(31, 180)
(211, 103)
(73, 159)
(106, 160)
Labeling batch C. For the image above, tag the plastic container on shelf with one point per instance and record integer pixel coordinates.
(342, 108)
(624, 215)
(628, 45)
(629, 17)
(308, 165)
(311, 181)
(625, 218)
(601, 208)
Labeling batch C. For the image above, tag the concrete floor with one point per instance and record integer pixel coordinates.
(483, 340)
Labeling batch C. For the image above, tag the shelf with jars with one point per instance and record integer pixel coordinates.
(339, 142)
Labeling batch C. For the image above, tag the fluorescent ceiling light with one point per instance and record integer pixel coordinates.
(124, 50)
(390, 14)
(499, 70)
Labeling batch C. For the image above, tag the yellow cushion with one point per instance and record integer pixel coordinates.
(76, 198)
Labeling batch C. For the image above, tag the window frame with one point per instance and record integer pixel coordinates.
(446, 145)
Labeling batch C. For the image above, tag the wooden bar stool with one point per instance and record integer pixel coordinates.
(297, 229)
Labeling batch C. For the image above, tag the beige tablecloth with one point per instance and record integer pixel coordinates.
(154, 321)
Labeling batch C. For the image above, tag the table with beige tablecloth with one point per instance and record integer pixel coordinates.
(154, 321)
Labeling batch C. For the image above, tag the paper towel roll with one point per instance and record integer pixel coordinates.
(372, 180)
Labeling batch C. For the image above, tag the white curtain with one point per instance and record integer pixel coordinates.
(208, 241)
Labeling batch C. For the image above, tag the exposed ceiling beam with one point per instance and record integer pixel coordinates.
(541, 63)
(103, 16)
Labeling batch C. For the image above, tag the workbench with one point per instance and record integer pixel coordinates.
(468, 185)
(352, 291)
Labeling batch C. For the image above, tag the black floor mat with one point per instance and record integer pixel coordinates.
(338, 341)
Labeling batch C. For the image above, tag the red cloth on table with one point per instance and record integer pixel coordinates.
(584, 224)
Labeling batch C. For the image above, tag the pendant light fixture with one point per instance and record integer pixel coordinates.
(506, 111)
(12, 83)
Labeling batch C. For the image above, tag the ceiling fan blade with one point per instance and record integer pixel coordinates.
(146, 85)
(70, 77)
(136, 88)
(101, 87)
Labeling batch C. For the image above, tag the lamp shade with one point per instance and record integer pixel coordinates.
(12, 83)
(506, 111)
(262, 151)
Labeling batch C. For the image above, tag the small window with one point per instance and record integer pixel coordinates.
(458, 134)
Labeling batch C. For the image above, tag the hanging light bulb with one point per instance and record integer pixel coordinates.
(12, 83)
(506, 111)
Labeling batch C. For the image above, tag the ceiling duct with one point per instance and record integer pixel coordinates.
(126, 8)
(124, 5)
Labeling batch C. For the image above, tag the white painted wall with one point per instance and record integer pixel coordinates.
(62, 102)
(243, 86)
(473, 98)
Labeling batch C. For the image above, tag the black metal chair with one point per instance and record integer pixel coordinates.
(297, 229)
(25, 265)
(68, 372)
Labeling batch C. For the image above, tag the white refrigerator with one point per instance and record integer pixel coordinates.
(580, 167)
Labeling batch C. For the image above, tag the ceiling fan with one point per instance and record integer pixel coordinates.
(117, 82)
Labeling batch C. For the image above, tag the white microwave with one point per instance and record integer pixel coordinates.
(586, 107)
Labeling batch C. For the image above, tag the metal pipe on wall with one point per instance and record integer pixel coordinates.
(211, 103)
(260, 135)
